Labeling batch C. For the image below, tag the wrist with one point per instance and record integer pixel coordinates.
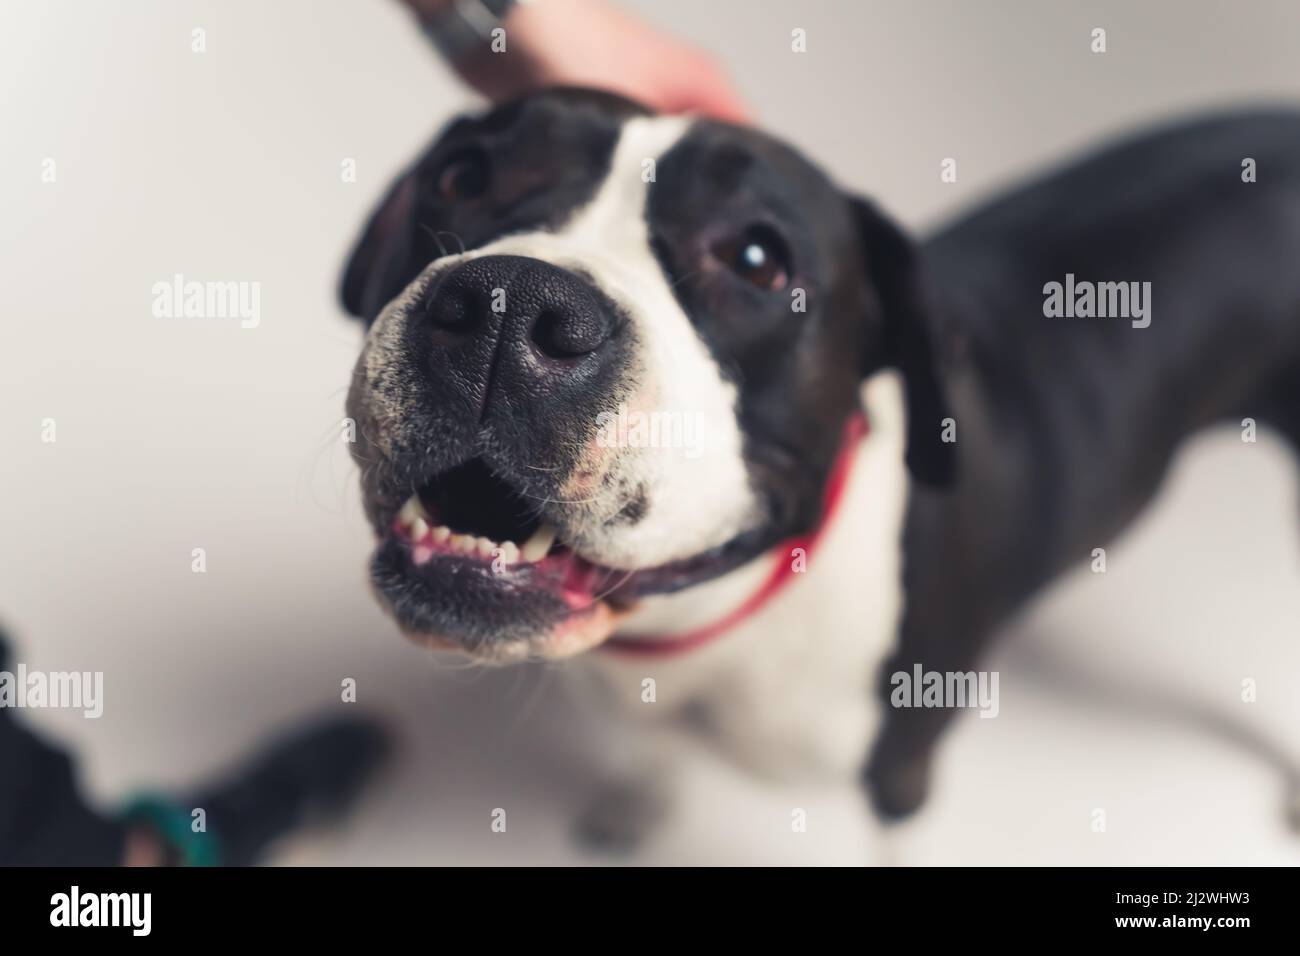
(463, 31)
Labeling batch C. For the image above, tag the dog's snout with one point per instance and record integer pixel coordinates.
(515, 337)
(523, 299)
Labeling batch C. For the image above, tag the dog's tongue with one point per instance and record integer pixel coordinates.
(583, 582)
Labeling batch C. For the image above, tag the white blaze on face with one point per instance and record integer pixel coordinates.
(697, 489)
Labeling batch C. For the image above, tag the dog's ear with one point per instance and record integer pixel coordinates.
(907, 341)
(376, 267)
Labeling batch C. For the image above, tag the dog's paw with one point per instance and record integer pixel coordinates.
(621, 818)
(899, 790)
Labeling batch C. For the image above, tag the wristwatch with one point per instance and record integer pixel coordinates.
(463, 28)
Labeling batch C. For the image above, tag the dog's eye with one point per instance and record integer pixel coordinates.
(759, 256)
(463, 176)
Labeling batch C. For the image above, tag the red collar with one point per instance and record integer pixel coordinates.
(781, 575)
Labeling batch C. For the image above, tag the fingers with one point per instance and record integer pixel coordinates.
(694, 83)
(717, 102)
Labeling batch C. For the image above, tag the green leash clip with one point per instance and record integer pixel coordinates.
(172, 822)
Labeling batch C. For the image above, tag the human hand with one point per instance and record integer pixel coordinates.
(591, 43)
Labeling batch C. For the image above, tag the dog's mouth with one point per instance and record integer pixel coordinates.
(469, 514)
(470, 511)
(470, 562)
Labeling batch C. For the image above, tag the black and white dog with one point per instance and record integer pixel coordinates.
(612, 384)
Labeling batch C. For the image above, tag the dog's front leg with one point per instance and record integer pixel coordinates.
(625, 813)
(637, 793)
(641, 751)
(897, 774)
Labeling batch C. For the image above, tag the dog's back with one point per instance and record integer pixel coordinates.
(1194, 231)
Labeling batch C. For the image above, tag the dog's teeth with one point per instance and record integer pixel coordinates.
(441, 534)
(510, 552)
(411, 510)
(535, 548)
(408, 513)
(461, 542)
(486, 546)
(419, 529)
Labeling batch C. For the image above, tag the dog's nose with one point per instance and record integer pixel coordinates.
(518, 342)
(550, 309)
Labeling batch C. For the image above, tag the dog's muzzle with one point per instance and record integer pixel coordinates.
(478, 412)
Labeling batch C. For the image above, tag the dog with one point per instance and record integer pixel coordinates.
(894, 444)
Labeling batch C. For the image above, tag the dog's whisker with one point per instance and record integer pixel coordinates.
(311, 468)
(459, 241)
(435, 236)
(626, 576)
(548, 500)
(526, 711)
